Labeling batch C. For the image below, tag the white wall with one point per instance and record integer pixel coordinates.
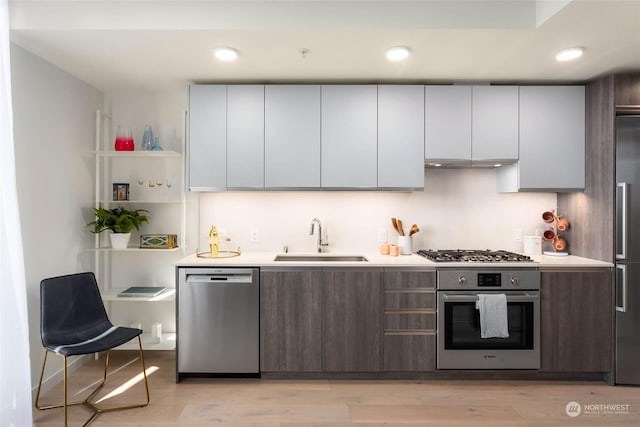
(459, 208)
(54, 132)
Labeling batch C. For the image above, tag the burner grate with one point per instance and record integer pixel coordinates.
(468, 255)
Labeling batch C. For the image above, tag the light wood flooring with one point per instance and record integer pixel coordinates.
(330, 403)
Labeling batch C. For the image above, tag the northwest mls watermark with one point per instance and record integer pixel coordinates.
(573, 409)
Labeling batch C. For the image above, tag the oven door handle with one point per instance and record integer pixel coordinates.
(474, 297)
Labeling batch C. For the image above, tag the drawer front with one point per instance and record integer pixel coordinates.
(409, 321)
(409, 279)
(409, 300)
(409, 353)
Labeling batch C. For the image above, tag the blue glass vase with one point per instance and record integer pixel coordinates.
(156, 144)
(147, 138)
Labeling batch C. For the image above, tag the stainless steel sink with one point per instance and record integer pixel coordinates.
(320, 258)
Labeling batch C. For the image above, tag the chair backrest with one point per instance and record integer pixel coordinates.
(71, 309)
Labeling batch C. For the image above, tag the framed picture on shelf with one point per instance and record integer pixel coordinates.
(120, 191)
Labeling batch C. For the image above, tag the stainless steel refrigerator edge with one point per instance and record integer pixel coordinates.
(627, 249)
(218, 322)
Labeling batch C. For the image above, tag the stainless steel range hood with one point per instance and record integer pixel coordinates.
(467, 164)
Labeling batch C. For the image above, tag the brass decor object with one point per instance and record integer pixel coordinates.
(214, 247)
(218, 254)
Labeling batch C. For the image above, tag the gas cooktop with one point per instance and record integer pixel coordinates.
(468, 255)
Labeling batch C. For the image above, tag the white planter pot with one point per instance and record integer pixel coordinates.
(119, 240)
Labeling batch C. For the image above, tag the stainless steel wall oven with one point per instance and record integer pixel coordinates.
(460, 345)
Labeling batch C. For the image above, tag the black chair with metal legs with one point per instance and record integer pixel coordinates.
(73, 322)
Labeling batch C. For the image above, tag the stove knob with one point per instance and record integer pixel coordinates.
(462, 281)
(515, 281)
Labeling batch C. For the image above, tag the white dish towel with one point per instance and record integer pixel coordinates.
(493, 315)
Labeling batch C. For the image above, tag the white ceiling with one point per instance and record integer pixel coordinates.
(151, 44)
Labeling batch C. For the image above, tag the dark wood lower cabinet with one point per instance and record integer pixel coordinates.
(352, 320)
(576, 322)
(409, 321)
(409, 353)
(321, 321)
(290, 321)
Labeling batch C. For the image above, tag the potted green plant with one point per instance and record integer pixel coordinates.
(120, 221)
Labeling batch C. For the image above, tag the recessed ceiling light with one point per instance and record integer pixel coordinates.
(569, 54)
(435, 165)
(224, 53)
(497, 165)
(397, 53)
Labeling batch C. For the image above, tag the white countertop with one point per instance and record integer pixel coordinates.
(266, 259)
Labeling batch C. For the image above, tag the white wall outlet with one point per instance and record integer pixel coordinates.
(255, 236)
(382, 235)
(517, 235)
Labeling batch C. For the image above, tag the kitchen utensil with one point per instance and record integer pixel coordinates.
(562, 224)
(548, 216)
(414, 229)
(549, 234)
(559, 244)
(396, 227)
(400, 230)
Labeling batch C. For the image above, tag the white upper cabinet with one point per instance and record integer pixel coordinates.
(245, 136)
(552, 141)
(292, 136)
(349, 136)
(447, 122)
(494, 129)
(207, 138)
(400, 136)
(471, 123)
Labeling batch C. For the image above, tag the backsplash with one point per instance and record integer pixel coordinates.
(459, 208)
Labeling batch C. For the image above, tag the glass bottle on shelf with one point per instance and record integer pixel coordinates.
(156, 145)
(147, 138)
(124, 139)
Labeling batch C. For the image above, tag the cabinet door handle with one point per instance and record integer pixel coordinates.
(622, 308)
(623, 251)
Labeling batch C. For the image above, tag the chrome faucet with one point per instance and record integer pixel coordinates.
(319, 243)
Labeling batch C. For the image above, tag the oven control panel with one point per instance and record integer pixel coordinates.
(489, 279)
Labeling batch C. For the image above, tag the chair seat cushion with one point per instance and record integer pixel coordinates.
(109, 339)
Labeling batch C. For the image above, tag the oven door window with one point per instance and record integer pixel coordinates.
(462, 327)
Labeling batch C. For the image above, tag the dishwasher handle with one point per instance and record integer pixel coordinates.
(242, 276)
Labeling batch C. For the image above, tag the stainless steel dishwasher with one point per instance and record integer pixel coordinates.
(218, 322)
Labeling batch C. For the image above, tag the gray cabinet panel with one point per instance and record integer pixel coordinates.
(576, 321)
(495, 123)
(409, 321)
(409, 353)
(292, 136)
(409, 300)
(447, 122)
(207, 137)
(400, 136)
(409, 279)
(352, 321)
(552, 132)
(349, 139)
(290, 321)
(245, 136)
